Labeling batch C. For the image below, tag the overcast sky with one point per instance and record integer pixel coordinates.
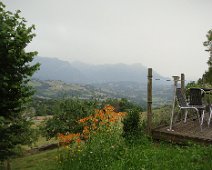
(166, 35)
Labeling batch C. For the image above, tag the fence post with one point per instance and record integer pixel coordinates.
(182, 79)
(149, 101)
(183, 83)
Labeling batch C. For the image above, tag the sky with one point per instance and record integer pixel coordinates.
(166, 35)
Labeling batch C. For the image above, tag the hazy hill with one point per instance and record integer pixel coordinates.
(55, 69)
(78, 72)
(58, 78)
(59, 89)
(133, 91)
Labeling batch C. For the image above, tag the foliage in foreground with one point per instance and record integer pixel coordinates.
(68, 111)
(110, 151)
(104, 126)
(106, 148)
(15, 73)
(141, 154)
(65, 120)
(103, 119)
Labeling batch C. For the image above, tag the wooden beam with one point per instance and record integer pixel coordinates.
(178, 138)
(149, 101)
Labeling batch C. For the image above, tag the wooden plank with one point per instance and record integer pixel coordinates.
(176, 138)
(184, 132)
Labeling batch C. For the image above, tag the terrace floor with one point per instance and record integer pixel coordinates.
(184, 132)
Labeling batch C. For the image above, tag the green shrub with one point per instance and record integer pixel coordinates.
(131, 124)
(65, 120)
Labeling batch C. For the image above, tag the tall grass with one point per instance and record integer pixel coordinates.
(97, 153)
(105, 152)
(108, 149)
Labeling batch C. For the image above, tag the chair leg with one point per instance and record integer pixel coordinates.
(186, 114)
(171, 122)
(198, 115)
(209, 119)
(172, 117)
(202, 119)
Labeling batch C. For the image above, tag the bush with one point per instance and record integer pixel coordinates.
(131, 124)
(65, 120)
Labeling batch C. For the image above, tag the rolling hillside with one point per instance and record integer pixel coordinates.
(57, 78)
(133, 91)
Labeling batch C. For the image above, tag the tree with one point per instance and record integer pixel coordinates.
(15, 72)
(122, 105)
(207, 77)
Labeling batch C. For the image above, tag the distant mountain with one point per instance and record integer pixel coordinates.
(57, 78)
(55, 69)
(78, 72)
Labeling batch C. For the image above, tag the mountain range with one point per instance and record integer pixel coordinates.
(79, 72)
(133, 91)
(57, 78)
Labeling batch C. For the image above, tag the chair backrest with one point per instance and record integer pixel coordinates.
(181, 98)
(195, 96)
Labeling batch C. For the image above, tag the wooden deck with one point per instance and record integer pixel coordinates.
(184, 132)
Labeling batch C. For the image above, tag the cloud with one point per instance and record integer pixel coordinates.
(166, 35)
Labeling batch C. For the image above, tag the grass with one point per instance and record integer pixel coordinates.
(108, 150)
(100, 153)
(42, 161)
(141, 155)
(167, 156)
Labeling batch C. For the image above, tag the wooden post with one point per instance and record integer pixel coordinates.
(149, 101)
(182, 79)
(183, 83)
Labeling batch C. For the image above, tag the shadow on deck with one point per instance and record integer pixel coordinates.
(184, 132)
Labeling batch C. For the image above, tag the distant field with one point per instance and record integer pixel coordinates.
(133, 91)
